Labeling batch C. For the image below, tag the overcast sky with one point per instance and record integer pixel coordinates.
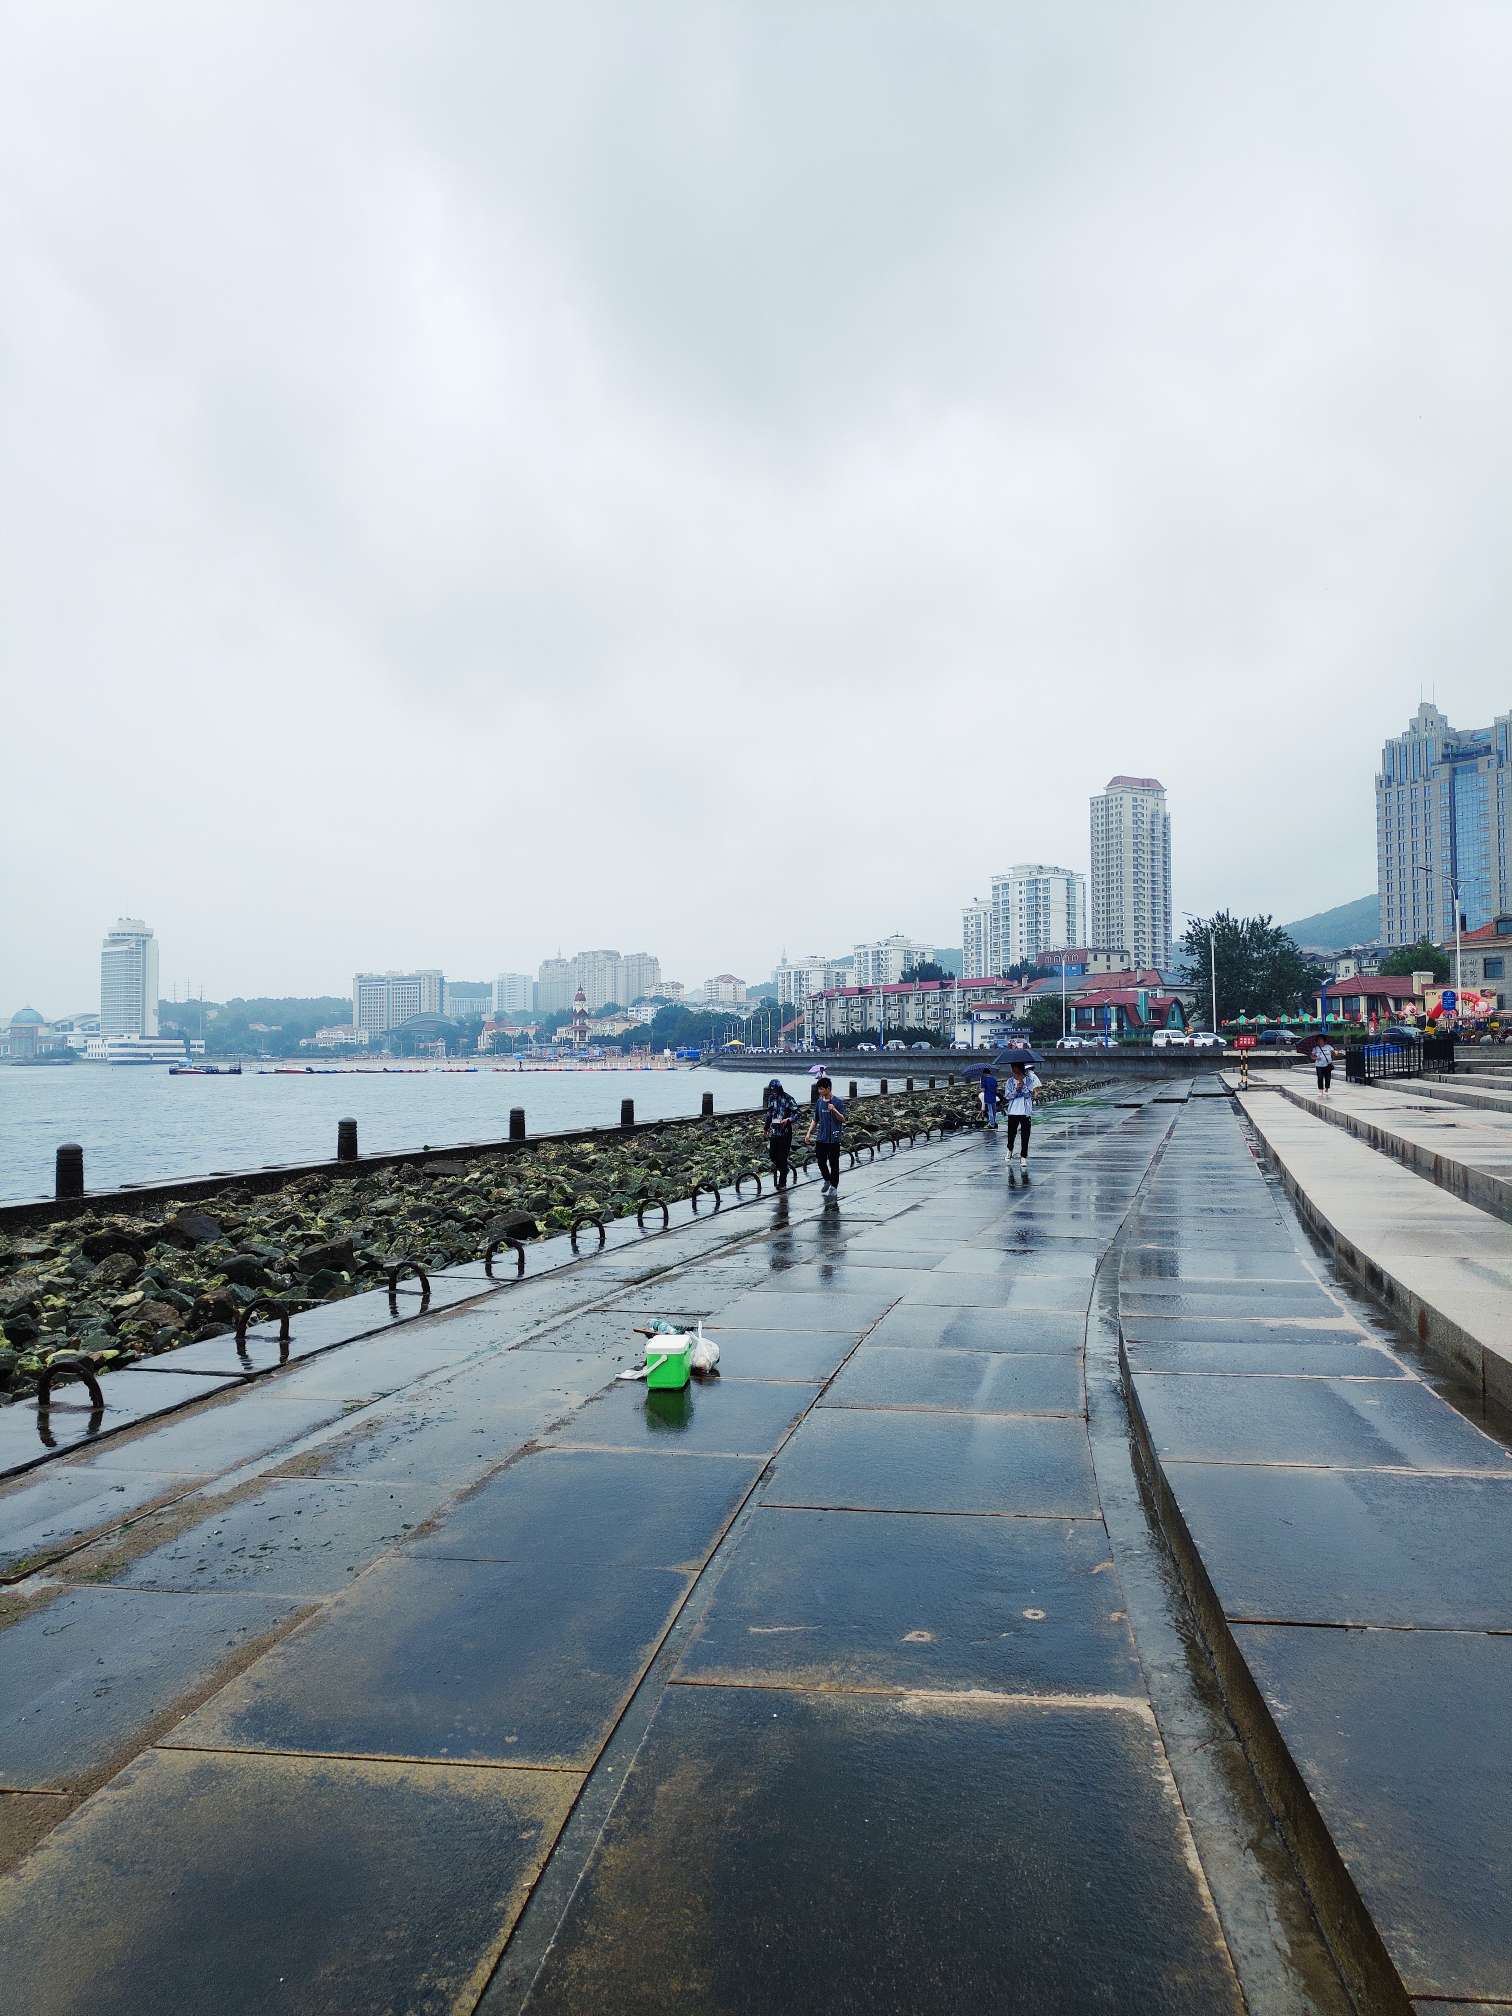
(718, 478)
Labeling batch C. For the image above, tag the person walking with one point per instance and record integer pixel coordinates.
(990, 1096)
(777, 1120)
(826, 1123)
(1323, 1063)
(1019, 1106)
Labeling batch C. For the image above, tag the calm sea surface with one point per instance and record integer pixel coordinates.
(137, 1124)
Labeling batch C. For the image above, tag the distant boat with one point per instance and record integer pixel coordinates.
(204, 1070)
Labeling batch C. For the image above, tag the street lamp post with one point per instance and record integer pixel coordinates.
(1212, 959)
(1454, 893)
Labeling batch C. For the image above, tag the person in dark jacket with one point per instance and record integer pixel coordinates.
(990, 1095)
(780, 1111)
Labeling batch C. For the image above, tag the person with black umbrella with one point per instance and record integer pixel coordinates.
(780, 1111)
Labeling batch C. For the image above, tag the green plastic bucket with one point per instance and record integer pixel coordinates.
(668, 1362)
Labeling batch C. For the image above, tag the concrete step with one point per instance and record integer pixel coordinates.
(1343, 1534)
(1443, 1266)
(1468, 1154)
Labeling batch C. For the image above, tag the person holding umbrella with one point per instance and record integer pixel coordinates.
(1022, 1085)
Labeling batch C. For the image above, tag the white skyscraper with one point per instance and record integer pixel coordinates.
(513, 994)
(601, 975)
(1036, 907)
(640, 973)
(382, 1000)
(129, 980)
(1131, 869)
(884, 962)
(798, 978)
(556, 984)
(978, 946)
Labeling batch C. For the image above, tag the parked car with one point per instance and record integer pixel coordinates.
(866, 1046)
(1076, 1043)
(1273, 1039)
(1170, 1039)
(896, 1043)
(1207, 1039)
(921, 1045)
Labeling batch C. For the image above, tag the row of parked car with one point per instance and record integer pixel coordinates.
(1163, 1039)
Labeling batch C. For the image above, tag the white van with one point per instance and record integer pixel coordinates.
(1170, 1039)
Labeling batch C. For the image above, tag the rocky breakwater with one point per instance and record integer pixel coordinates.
(123, 1284)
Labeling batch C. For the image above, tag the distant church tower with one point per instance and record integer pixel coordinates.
(580, 1019)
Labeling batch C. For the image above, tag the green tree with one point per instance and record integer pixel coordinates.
(1420, 958)
(1261, 970)
(927, 969)
(1044, 1018)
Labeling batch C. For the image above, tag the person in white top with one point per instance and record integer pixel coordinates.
(1018, 1105)
(1323, 1063)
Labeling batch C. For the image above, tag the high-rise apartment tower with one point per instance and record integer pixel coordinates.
(1035, 906)
(1131, 869)
(129, 980)
(1441, 825)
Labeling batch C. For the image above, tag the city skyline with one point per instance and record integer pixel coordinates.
(693, 450)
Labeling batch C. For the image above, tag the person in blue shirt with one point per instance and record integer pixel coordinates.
(826, 1121)
(990, 1096)
(779, 1114)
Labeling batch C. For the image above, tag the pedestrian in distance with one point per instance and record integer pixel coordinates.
(1019, 1106)
(990, 1096)
(779, 1113)
(1323, 1063)
(826, 1123)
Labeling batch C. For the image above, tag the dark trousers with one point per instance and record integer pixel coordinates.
(780, 1149)
(827, 1155)
(1015, 1122)
(1325, 1077)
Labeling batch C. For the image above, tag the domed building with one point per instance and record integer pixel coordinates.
(25, 1033)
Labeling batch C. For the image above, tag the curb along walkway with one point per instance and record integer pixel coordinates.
(812, 1688)
(1345, 1535)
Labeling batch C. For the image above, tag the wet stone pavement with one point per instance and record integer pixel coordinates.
(434, 1670)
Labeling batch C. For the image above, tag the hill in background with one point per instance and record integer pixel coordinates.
(1348, 924)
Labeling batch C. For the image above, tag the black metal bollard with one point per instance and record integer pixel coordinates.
(68, 1174)
(908, 1084)
(517, 1123)
(853, 1092)
(882, 1089)
(346, 1140)
(627, 1112)
(931, 1084)
(708, 1106)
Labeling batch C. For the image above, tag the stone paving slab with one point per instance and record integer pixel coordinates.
(297, 1536)
(435, 1440)
(29, 1435)
(1405, 1740)
(588, 1505)
(827, 1831)
(1036, 1330)
(1327, 1357)
(1145, 1265)
(779, 1309)
(781, 1354)
(87, 1669)
(238, 1427)
(732, 1417)
(499, 1662)
(905, 1601)
(27, 1818)
(998, 1291)
(1348, 1423)
(920, 1462)
(969, 1382)
(1352, 1547)
(248, 1884)
(1243, 1299)
(46, 1513)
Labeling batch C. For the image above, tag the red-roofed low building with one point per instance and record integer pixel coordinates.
(1382, 996)
(1125, 1011)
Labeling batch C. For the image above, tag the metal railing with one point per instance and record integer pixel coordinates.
(1370, 1061)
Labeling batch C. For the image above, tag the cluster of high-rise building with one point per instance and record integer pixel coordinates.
(1037, 911)
(601, 976)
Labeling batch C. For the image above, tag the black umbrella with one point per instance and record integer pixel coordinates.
(1023, 1056)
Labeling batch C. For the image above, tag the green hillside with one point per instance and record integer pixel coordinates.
(1348, 924)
